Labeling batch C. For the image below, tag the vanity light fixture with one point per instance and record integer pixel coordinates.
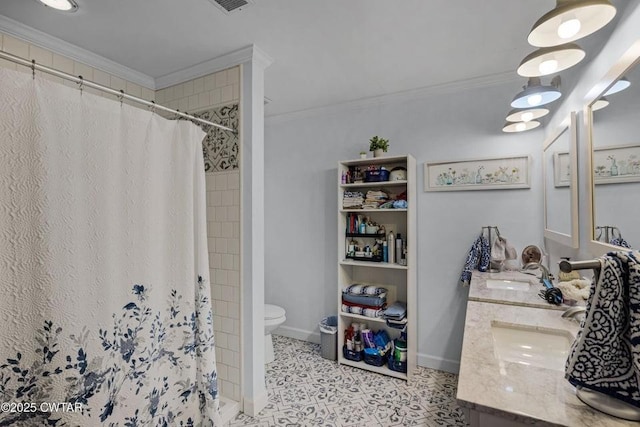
(535, 94)
(520, 126)
(618, 86)
(600, 104)
(549, 60)
(63, 5)
(517, 115)
(571, 20)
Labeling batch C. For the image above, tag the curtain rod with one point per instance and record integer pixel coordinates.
(82, 82)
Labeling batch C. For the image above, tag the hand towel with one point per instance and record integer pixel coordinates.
(605, 356)
(473, 258)
(619, 241)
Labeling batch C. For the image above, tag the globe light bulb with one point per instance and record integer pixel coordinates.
(548, 66)
(534, 100)
(569, 28)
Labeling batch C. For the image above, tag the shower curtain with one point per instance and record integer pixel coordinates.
(105, 312)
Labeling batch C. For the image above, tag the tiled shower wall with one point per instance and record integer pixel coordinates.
(47, 58)
(223, 223)
(223, 188)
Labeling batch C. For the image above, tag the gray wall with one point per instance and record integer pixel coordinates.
(301, 155)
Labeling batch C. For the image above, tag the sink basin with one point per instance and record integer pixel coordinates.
(531, 346)
(512, 285)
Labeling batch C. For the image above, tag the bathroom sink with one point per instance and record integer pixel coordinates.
(531, 346)
(513, 285)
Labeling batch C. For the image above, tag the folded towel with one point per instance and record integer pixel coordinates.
(605, 356)
(363, 311)
(397, 311)
(366, 300)
(357, 289)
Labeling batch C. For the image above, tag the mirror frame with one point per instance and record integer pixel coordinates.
(568, 125)
(629, 59)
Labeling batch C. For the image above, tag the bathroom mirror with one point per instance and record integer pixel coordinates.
(560, 184)
(615, 156)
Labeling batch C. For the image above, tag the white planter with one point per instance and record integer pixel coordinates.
(363, 156)
(377, 153)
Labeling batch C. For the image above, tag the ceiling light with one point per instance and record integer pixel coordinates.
(526, 115)
(64, 5)
(550, 60)
(571, 20)
(521, 126)
(618, 86)
(599, 104)
(535, 95)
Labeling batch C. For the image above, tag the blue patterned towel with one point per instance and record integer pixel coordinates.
(479, 257)
(605, 356)
(619, 241)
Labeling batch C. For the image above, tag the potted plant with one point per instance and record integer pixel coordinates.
(378, 146)
(363, 154)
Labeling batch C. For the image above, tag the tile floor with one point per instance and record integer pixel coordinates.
(307, 390)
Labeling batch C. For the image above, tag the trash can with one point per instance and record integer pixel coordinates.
(329, 337)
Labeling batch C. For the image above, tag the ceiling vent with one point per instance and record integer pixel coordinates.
(230, 6)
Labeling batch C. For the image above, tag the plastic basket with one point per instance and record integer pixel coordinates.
(395, 365)
(356, 356)
(375, 360)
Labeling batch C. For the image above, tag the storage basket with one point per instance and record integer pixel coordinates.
(376, 175)
(375, 360)
(356, 356)
(395, 365)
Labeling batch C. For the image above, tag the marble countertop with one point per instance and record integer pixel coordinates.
(478, 290)
(526, 394)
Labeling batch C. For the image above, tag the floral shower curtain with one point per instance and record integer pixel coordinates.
(105, 312)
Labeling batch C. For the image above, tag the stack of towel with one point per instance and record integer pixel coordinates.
(396, 314)
(374, 199)
(605, 356)
(352, 200)
(365, 300)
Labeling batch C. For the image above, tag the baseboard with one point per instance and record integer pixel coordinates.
(253, 407)
(298, 334)
(438, 363)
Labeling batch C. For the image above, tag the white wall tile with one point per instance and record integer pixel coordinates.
(222, 369)
(221, 182)
(187, 88)
(233, 278)
(233, 213)
(203, 99)
(227, 262)
(227, 230)
(233, 181)
(15, 47)
(160, 96)
(193, 103)
(222, 309)
(215, 96)
(236, 92)
(178, 91)
(227, 94)
(42, 56)
(183, 104)
(198, 85)
(209, 82)
(117, 83)
(221, 79)
(234, 375)
(233, 247)
(63, 64)
(226, 293)
(227, 197)
(233, 75)
(233, 343)
(227, 326)
(102, 78)
(8, 64)
(221, 279)
(80, 69)
(133, 89)
(221, 340)
(233, 311)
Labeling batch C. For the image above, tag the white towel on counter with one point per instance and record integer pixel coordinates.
(605, 356)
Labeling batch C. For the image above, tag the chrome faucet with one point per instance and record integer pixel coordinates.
(572, 312)
(537, 265)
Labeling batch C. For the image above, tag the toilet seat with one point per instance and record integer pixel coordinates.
(273, 312)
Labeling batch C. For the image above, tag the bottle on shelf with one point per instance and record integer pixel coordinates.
(398, 250)
(391, 244)
(385, 251)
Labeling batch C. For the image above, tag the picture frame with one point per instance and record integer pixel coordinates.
(616, 164)
(561, 169)
(498, 173)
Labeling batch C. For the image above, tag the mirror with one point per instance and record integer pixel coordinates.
(615, 159)
(560, 185)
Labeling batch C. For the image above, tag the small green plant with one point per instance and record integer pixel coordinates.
(363, 152)
(377, 143)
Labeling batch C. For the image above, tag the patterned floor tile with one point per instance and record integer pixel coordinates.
(307, 390)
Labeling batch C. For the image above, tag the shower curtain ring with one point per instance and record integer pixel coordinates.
(152, 107)
(33, 68)
(81, 84)
(121, 96)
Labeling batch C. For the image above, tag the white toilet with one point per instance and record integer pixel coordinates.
(274, 316)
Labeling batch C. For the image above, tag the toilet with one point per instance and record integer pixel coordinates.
(274, 316)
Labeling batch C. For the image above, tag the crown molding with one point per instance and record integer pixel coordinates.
(71, 51)
(237, 57)
(402, 96)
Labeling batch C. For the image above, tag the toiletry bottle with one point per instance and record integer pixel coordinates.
(343, 180)
(385, 251)
(363, 228)
(391, 245)
(398, 249)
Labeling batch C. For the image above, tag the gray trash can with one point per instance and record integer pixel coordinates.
(329, 337)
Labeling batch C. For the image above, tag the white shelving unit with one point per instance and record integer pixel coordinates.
(400, 280)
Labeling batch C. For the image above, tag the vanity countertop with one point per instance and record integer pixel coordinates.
(517, 392)
(478, 290)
